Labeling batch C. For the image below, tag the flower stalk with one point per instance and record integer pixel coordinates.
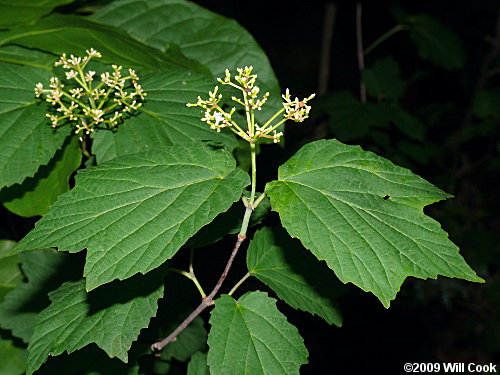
(218, 118)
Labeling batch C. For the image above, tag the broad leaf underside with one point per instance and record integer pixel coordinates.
(364, 216)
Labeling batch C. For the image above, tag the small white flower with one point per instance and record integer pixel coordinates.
(132, 74)
(93, 53)
(54, 82)
(38, 89)
(89, 76)
(71, 74)
(276, 136)
(74, 60)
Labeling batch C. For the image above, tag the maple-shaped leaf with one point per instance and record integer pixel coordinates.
(364, 216)
(294, 274)
(251, 336)
(134, 213)
(111, 317)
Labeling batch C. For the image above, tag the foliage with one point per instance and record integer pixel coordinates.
(131, 184)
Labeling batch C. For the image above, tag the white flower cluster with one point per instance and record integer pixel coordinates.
(296, 110)
(92, 104)
(246, 81)
(218, 118)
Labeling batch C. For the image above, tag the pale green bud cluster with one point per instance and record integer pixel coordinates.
(94, 103)
(217, 118)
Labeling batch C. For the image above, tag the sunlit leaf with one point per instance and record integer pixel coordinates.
(364, 216)
(251, 336)
(134, 213)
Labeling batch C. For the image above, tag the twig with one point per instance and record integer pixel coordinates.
(324, 60)
(384, 37)
(361, 57)
(237, 285)
(204, 303)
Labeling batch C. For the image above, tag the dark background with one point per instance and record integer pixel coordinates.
(443, 320)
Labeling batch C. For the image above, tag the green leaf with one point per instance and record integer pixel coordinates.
(217, 42)
(26, 56)
(45, 271)
(164, 119)
(198, 365)
(12, 358)
(135, 212)
(251, 336)
(383, 79)
(10, 272)
(35, 195)
(74, 34)
(294, 274)
(364, 216)
(436, 42)
(26, 138)
(26, 11)
(111, 317)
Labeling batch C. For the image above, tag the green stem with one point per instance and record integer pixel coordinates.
(272, 118)
(191, 277)
(254, 172)
(247, 112)
(258, 200)
(198, 286)
(232, 122)
(237, 285)
(384, 37)
(246, 220)
(191, 258)
(80, 103)
(275, 126)
(86, 87)
(83, 148)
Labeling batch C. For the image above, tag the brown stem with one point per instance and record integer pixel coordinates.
(326, 42)
(361, 57)
(204, 303)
